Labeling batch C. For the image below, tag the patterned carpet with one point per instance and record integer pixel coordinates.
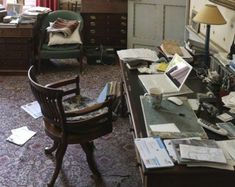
(29, 166)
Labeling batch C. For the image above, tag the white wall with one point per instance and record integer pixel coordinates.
(222, 35)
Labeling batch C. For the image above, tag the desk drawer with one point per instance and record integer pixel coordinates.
(16, 32)
(14, 64)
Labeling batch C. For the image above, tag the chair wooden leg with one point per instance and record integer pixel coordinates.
(80, 63)
(49, 150)
(59, 159)
(88, 149)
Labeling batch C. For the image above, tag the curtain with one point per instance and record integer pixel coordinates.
(52, 4)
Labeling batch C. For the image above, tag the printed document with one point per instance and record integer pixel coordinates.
(200, 153)
(153, 152)
(33, 109)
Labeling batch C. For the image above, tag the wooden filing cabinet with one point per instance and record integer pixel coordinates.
(105, 23)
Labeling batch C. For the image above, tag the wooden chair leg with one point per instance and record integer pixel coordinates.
(59, 159)
(81, 64)
(88, 149)
(49, 150)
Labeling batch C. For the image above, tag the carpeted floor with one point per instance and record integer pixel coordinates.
(29, 166)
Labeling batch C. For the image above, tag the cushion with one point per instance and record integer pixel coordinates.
(63, 26)
(58, 39)
(77, 103)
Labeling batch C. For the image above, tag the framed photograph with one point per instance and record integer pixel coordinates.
(20, 2)
(195, 25)
(14, 9)
(226, 3)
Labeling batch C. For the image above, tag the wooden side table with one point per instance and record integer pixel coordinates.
(17, 48)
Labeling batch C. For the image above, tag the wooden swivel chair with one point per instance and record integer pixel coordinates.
(63, 51)
(70, 126)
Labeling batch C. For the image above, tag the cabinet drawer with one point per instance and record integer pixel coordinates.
(8, 54)
(13, 64)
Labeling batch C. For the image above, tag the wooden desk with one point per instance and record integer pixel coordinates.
(178, 176)
(17, 48)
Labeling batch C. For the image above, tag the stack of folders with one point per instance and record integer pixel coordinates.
(195, 152)
(153, 152)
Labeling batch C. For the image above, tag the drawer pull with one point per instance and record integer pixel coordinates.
(92, 23)
(92, 31)
(123, 31)
(123, 23)
(123, 17)
(93, 17)
(92, 40)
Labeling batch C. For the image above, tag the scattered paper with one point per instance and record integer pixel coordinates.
(20, 135)
(33, 109)
(167, 127)
(171, 149)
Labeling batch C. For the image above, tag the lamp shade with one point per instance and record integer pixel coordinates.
(210, 15)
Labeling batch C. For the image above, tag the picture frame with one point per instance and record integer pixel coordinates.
(195, 25)
(226, 3)
(14, 10)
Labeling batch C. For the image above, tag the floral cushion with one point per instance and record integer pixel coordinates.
(79, 102)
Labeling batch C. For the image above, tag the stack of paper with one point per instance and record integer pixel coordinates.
(229, 101)
(138, 54)
(200, 153)
(153, 153)
(20, 135)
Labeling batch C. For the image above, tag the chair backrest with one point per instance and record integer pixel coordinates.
(49, 99)
(64, 14)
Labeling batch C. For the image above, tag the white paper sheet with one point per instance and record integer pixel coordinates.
(200, 153)
(20, 135)
(153, 152)
(33, 109)
(167, 127)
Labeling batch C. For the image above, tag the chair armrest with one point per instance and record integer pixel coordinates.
(90, 109)
(66, 82)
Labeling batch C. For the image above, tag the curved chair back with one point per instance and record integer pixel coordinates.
(49, 99)
(64, 14)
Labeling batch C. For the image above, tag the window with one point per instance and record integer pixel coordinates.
(26, 2)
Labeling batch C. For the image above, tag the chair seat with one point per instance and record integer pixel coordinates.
(61, 47)
(79, 102)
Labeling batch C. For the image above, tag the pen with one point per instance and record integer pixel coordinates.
(180, 114)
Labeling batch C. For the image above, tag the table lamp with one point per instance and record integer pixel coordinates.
(209, 15)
